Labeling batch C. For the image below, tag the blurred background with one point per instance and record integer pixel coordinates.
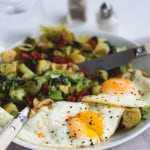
(21, 18)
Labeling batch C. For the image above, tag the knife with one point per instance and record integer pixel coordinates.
(114, 60)
(13, 127)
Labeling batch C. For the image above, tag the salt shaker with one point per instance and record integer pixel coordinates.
(76, 11)
(107, 19)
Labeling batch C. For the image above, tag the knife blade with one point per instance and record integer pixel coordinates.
(114, 60)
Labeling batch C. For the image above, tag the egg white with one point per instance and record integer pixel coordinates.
(141, 82)
(138, 80)
(51, 122)
(117, 100)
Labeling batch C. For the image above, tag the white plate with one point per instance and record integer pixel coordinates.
(117, 139)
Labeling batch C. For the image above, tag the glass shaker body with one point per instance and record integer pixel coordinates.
(107, 19)
(76, 11)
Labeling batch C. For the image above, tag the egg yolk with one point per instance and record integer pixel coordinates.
(86, 124)
(40, 135)
(117, 86)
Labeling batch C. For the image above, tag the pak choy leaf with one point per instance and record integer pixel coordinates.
(82, 84)
(144, 112)
(55, 94)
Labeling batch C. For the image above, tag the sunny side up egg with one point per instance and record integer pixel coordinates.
(126, 91)
(69, 124)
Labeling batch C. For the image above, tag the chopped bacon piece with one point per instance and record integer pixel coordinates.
(62, 60)
(86, 74)
(35, 55)
(24, 55)
(30, 55)
(45, 87)
(61, 42)
(77, 97)
(92, 43)
(28, 100)
(72, 98)
(81, 94)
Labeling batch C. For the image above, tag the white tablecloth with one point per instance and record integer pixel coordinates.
(134, 23)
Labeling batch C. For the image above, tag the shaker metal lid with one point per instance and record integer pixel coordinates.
(106, 10)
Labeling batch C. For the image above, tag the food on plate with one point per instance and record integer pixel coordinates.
(131, 117)
(69, 107)
(72, 124)
(118, 92)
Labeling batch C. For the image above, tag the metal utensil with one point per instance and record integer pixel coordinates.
(13, 127)
(115, 60)
(106, 10)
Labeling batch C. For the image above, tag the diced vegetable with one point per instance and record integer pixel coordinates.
(54, 34)
(42, 65)
(27, 73)
(123, 69)
(96, 90)
(11, 108)
(18, 93)
(33, 86)
(101, 75)
(46, 67)
(8, 68)
(82, 84)
(55, 94)
(64, 89)
(31, 41)
(144, 112)
(131, 117)
(8, 56)
(101, 49)
(77, 57)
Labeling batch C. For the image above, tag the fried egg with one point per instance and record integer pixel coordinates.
(70, 124)
(119, 92)
(141, 81)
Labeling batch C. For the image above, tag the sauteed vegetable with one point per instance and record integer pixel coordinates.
(45, 67)
(69, 107)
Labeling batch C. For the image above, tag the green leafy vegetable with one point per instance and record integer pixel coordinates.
(82, 84)
(25, 70)
(144, 112)
(55, 94)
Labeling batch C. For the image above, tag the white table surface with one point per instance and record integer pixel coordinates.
(134, 24)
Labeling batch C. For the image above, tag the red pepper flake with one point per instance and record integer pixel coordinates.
(28, 101)
(35, 55)
(62, 60)
(93, 43)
